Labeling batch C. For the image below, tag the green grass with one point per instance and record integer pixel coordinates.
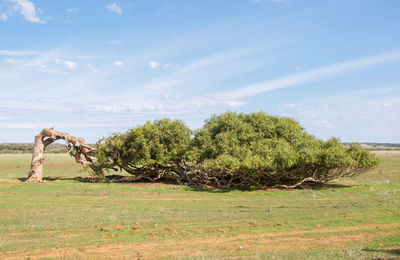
(355, 219)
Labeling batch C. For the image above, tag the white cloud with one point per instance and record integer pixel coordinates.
(92, 68)
(3, 17)
(154, 64)
(67, 63)
(70, 65)
(117, 108)
(235, 103)
(27, 9)
(310, 76)
(118, 63)
(163, 104)
(291, 105)
(114, 8)
(72, 10)
(380, 104)
(44, 69)
(325, 124)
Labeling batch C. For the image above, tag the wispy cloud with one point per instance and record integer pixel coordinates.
(3, 17)
(67, 63)
(14, 61)
(18, 52)
(72, 10)
(164, 104)
(26, 8)
(154, 64)
(118, 63)
(52, 61)
(45, 69)
(70, 65)
(353, 115)
(90, 66)
(114, 42)
(114, 8)
(207, 70)
(310, 76)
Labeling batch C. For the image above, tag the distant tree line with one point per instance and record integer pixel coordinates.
(16, 148)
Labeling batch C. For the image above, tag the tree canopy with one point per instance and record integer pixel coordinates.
(231, 150)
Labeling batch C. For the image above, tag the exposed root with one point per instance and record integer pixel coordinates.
(299, 184)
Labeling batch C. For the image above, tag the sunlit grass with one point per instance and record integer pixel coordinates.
(357, 218)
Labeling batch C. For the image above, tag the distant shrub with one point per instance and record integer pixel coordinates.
(232, 150)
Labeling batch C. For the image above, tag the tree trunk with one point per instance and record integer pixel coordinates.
(76, 147)
(35, 174)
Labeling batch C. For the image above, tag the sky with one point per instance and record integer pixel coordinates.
(94, 67)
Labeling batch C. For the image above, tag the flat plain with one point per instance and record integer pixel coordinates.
(70, 218)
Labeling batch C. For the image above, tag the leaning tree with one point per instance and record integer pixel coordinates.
(257, 150)
(76, 148)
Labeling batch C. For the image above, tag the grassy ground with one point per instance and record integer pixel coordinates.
(354, 219)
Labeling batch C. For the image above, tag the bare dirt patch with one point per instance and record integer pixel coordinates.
(7, 183)
(222, 244)
(386, 152)
(70, 235)
(10, 180)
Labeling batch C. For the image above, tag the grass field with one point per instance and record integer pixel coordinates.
(69, 219)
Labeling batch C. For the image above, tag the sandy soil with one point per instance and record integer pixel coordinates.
(387, 152)
(320, 237)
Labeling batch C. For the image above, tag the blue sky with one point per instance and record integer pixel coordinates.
(95, 67)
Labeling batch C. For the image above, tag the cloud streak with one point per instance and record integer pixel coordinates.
(353, 115)
(310, 76)
(208, 70)
(18, 53)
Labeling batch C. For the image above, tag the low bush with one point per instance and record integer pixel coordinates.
(231, 150)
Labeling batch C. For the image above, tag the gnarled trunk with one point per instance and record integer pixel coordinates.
(76, 147)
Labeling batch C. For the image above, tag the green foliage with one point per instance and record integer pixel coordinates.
(233, 149)
(272, 148)
(361, 157)
(161, 143)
